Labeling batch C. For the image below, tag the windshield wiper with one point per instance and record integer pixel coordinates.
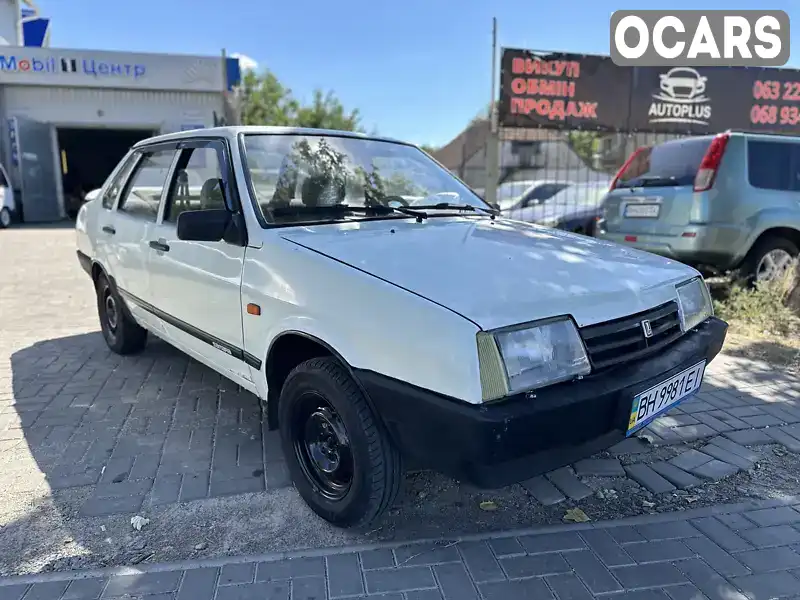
(337, 209)
(469, 207)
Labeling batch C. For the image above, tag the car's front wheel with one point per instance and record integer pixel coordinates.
(122, 334)
(339, 456)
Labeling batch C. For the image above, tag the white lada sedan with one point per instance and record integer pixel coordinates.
(382, 311)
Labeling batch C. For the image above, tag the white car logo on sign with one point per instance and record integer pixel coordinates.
(682, 84)
(681, 98)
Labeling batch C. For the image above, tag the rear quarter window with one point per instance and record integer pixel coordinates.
(772, 165)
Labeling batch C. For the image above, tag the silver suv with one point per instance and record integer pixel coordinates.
(729, 202)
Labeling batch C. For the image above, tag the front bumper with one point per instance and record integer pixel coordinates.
(517, 438)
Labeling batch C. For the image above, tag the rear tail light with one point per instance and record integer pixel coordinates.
(624, 167)
(631, 238)
(707, 172)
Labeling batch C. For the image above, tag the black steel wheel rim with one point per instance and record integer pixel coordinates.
(322, 446)
(110, 313)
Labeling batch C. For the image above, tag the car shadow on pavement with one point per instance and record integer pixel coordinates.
(89, 439)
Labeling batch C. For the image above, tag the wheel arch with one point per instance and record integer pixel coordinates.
(289, 349)
(790, 233)
(97, 270)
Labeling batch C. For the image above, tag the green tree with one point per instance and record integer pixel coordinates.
(327, 112)
(428, 148)
(266, 101)
(584, 143)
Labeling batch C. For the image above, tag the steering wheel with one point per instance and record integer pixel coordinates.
(398, 199)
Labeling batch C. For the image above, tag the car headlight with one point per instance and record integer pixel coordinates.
(524, 358)
(694, 303)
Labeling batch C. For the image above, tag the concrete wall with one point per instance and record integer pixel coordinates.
(120, 108)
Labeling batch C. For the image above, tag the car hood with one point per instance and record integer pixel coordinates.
(502, 272)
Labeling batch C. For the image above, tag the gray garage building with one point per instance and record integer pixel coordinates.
(68, 116)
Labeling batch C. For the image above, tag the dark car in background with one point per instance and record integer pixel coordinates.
(575, 208)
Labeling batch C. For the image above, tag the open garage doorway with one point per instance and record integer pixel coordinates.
(88, 155)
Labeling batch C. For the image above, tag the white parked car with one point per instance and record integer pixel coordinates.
(373, 331)
(7, 205)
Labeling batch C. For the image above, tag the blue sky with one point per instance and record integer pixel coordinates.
(417, 69)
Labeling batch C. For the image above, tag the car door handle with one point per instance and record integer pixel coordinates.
(108, 229)
(159, 245)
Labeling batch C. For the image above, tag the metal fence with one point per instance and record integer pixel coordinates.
(556, 177)
(568, 122)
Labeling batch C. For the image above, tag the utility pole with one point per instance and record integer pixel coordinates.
(493, 140)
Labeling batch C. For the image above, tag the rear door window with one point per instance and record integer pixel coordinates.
(669, 164)
(142, 194)
(773, 165)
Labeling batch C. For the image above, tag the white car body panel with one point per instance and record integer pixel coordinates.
(503, 272)
(370, 323)
(396, 297)
(199, 282)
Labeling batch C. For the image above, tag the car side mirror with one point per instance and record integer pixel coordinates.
(495, 205)
(203, 225)
(92, 195)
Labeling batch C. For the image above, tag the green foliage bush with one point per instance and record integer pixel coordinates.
(768, 307)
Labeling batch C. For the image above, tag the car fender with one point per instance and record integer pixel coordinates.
(370, 323)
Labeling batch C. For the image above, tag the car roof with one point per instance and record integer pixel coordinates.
(232, 132)
(731, 132)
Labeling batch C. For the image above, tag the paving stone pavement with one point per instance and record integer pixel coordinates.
(740, 552)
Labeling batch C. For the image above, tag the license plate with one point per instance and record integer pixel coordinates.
(660, 398)
(642, 211)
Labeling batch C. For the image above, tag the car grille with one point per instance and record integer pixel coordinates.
(623, 340)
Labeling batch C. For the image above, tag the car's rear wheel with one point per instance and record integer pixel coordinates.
(5, 218)
(341, 460)
(769, 260)
(121, 333)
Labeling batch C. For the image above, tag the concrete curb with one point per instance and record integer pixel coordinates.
(684, 515)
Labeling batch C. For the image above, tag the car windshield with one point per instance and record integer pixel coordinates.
(299, 178)
(670, 164)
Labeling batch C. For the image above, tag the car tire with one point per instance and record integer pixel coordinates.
(753, 264)
(5, 217)
(339, 456)
(121, 333)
